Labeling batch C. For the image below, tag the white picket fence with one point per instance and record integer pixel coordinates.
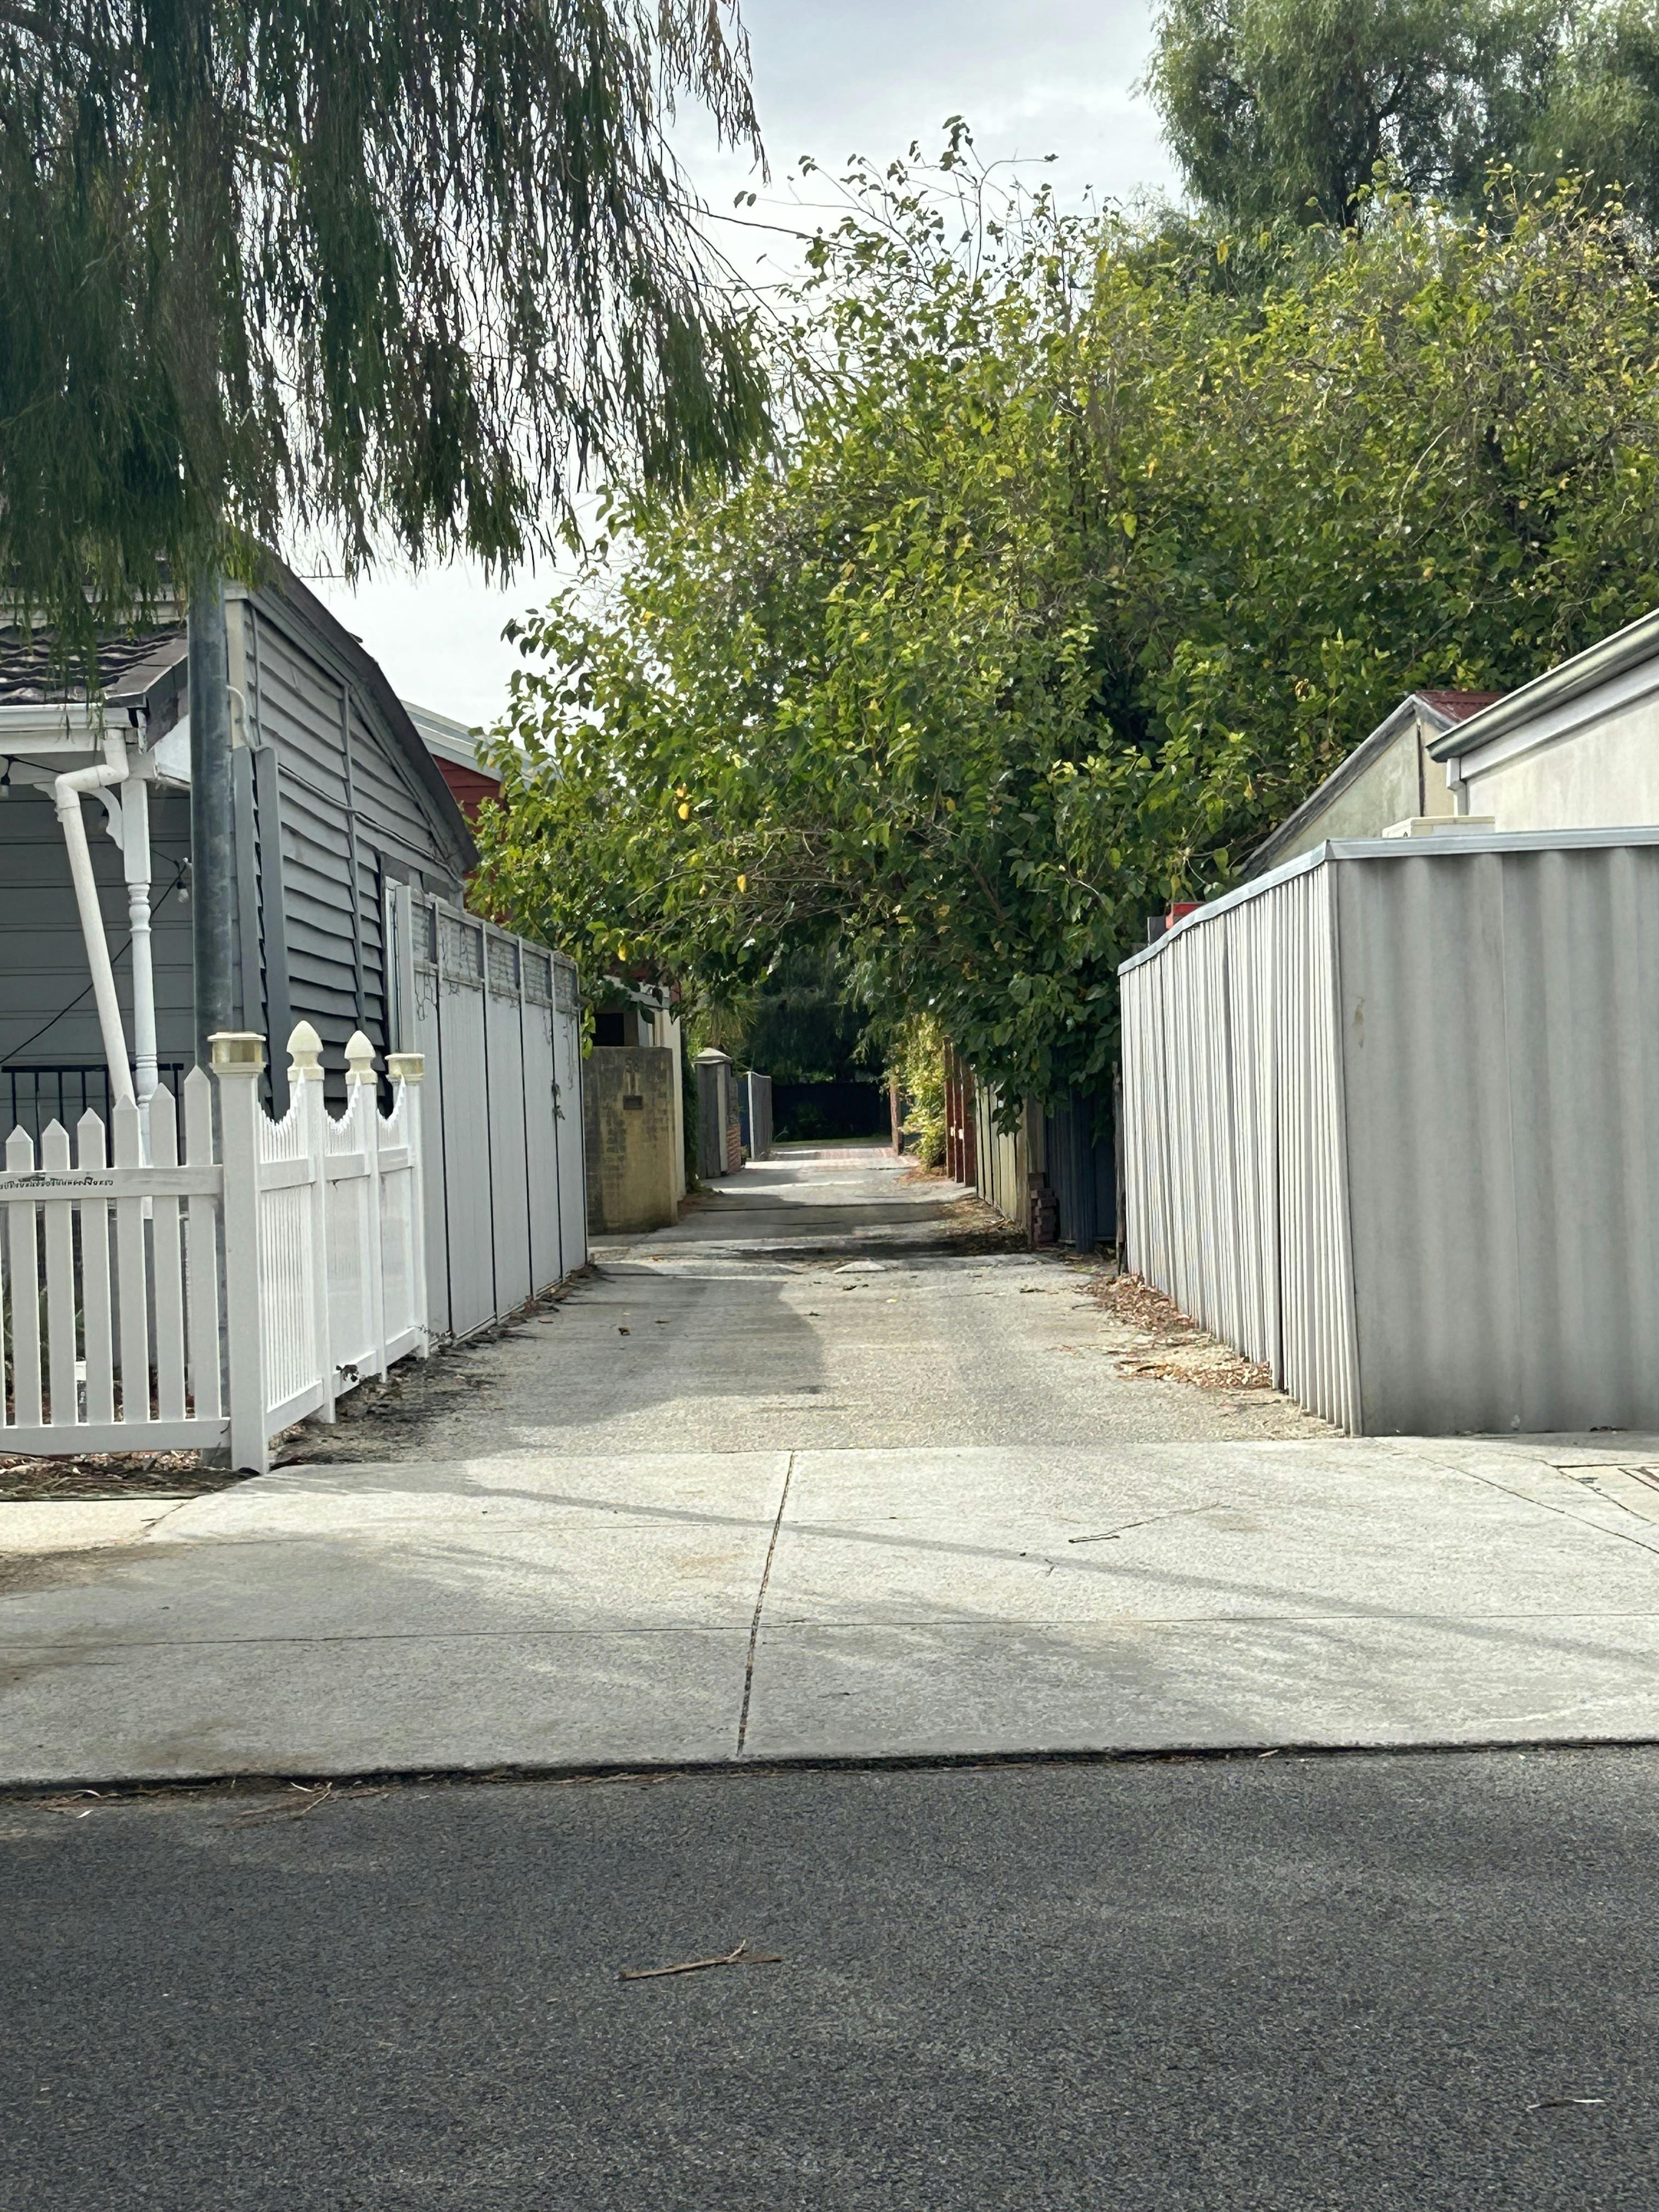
(158, 1306)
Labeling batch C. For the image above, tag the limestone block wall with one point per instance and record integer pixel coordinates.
(628, 1112)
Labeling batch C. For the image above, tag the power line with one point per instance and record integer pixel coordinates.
(63, 1011)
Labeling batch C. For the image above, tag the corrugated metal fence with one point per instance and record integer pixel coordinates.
(1392, 1126)
(1231, 1103)
(499, 1020)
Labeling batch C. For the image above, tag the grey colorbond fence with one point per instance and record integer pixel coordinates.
(1392, 1126)
(499, 1020)
(755, 1113)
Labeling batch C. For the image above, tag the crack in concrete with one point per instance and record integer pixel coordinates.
(760, 1600)
(1544, 1505)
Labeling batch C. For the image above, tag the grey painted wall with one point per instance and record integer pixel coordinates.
(329, 810)
(43, 962)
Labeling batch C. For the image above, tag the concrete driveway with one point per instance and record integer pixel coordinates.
(831, 1471)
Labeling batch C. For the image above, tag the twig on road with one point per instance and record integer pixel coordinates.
(742, 1956)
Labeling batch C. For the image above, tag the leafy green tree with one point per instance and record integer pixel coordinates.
(376, 265)
(799, 1026)
(1602, 118)
(918, 1067)
(1083, 565)
(1287, 107)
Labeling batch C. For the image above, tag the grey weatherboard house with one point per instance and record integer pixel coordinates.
(337, 800)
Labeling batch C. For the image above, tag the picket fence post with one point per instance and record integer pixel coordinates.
(239, 1059)
(366, 1111)
(304, 1083)
(406, 1070)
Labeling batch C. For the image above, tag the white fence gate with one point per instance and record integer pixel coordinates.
(156, 1306)
(497, 1022)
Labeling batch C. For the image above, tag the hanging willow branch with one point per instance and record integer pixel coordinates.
(404, 269)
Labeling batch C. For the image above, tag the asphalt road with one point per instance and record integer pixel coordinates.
(1308, 1984)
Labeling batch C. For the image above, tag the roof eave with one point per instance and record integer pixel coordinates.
(1570, 679)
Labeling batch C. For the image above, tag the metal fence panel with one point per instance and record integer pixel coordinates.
(463, 1048)
(754, 1114)
(1581, 969)
(1392, 1125)
(500, 1021)
(509, 1168)
(1503, 1131)
(541, 1125)
(1235, 1170)
(573, 1165)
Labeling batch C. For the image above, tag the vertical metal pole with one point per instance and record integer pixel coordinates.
(212, 828)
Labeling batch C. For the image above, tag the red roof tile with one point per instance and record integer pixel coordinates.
(1458, 706)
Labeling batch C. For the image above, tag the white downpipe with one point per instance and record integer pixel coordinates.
(66, 791)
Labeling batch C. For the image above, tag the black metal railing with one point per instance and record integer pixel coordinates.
(33, 1097)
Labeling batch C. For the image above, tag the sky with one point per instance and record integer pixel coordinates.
(832, 77)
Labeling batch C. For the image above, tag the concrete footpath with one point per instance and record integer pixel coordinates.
(817, 1476)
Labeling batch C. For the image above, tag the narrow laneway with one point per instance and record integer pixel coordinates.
(835, 1469)
(828, 1300)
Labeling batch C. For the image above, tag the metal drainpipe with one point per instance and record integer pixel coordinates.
(66, 791)
(212, 849)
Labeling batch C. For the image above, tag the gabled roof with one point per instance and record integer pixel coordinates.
(148, 668)
(1441, 710)
(1598, 664)
(281, 582)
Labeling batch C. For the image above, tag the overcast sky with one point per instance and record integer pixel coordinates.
(833, 78)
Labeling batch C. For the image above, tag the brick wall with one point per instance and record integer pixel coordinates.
(627, 1112)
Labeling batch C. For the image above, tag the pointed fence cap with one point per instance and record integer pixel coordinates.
(360, 1059)
(237, 1052)
(305, 1054)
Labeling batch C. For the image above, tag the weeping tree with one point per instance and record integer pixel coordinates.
(1285, 107)
(387, 273)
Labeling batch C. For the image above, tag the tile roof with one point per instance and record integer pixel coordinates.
(1458, 706)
